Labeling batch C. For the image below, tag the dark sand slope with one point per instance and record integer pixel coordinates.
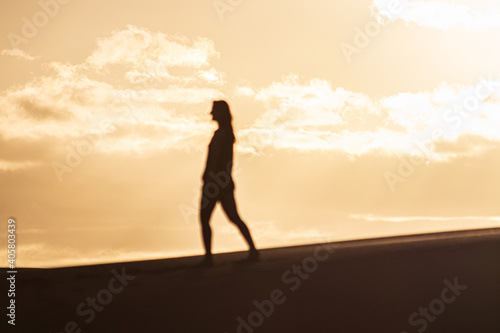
(357, 286)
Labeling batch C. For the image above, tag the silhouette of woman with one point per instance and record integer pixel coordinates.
(218, 184)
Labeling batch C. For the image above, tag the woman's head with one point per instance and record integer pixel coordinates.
(221, 114)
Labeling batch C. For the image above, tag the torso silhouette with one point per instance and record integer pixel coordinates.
(220, 160)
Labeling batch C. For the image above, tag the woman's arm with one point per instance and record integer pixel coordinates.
(214, 155)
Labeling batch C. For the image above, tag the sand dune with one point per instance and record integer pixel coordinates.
(445, 282)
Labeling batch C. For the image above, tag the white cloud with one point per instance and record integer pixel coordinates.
(16, 165)
(211, 76)
(377, 218)
(155, 55)
(437, 14)
(454, 109)
(71, 109)
(153, 101)
(312, 116)
(18, 53)
(244, 91)
(132, 45)
(169, 107)
(313, 104)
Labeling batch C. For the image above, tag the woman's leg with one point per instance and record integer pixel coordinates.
(229, 205)
(206, 208)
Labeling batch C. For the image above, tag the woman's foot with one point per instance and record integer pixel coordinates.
(253, 255)
(206, 262)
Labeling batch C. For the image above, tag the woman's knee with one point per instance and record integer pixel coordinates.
(237, 221)
(205, 224)
(204, 217)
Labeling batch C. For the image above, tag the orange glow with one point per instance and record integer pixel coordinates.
(349, 125)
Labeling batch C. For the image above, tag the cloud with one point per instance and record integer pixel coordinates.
(313, 104)
(155, 55)
(244, 91)
(137, 91)
(313, 116)
(143, 91)
(17, 165)
(129, 45)
(18, 53)
(377, 218)
(436, 14)
(69, 109)
(466, 145)
(453, 109)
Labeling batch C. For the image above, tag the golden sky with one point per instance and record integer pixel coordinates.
(353, 119)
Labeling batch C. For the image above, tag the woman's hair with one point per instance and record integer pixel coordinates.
(222, 114)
